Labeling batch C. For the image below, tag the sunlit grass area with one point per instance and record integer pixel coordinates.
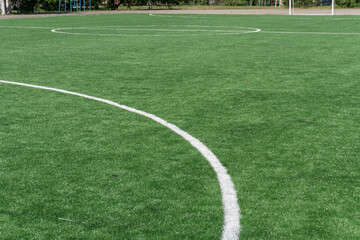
(280, 110)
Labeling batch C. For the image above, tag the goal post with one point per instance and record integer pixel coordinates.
(2, 7)
(318, 7)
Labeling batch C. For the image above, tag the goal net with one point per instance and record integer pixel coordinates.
(311, 7)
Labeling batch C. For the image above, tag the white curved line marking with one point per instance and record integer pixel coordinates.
(231, 227)
(224, 32)
(232, 31)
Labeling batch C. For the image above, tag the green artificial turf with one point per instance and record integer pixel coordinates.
(280, 111)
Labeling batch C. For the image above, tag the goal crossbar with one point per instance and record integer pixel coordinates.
(292, 8)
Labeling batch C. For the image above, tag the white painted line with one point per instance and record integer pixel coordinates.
(64, 219)
(231, 227)
(188, 26)
(164, 30)
(313, 14)
(311, 33)
(218, 30)
(317, 18)
(174, 16)
(232, 31)
(26, 27)
(293, 17)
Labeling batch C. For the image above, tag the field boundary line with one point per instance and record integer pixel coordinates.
(310, 33)
(26, 27)
(174, 15)
(231, 226)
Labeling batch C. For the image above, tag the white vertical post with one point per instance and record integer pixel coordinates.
(332, 7)
(290, 2)
(2, 7)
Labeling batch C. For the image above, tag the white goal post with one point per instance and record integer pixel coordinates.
(292, 8)
(2, 7)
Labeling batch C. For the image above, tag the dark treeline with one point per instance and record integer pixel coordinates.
(33, 6)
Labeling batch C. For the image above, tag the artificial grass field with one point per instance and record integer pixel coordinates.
(280, 111)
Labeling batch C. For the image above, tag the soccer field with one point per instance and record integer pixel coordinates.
(120, 126)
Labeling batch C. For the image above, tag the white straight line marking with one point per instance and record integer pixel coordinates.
(162, 15)
(26, 27)
(64, 219)
(311, 33)
(231, 227)
(166, 30)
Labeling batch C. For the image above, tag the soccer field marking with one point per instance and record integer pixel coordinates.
(299, 16)
(231, 227)
(64, 219)
(310, 33)
(205, 32)
(21, 27)
(162, 30)
(231, 31)
(217, 30)
(174, 16)
(308, 17)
